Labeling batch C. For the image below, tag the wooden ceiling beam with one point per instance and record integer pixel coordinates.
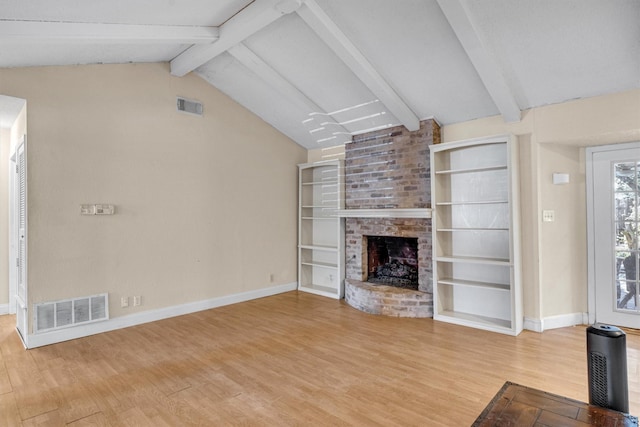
(481, 58)
(242, 25)
(342, 46)
(80, 32)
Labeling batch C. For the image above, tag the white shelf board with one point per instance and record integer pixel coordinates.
(474, 260)
(319, 264)
(320, 164)
(472, 170)
(473, 283)
(327, 183)
(472, 229)
(320, 290)
(460, 318)
(476, 202)
(315, 218)
(325, 248)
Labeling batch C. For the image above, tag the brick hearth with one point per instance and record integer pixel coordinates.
(388, 300)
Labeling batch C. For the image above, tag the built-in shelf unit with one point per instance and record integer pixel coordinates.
(475, 223)
(320, 229)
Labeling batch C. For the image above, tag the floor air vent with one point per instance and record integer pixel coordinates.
(71, 312)
(189, 106)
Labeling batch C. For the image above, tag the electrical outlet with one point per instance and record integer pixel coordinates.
(124, 302)
(272, 277)
(137, 300)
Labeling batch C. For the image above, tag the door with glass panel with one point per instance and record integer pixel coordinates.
(615, 225)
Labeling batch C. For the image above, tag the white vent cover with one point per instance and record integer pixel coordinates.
(65, 313)
(189, 106)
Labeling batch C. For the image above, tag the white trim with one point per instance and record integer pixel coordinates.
(241, 26)
(563, 321)
(83, 32)
(4, 309)
(384, 213)
(13, 217)
(534, 325)
(46, 338)
(555, 322)
(591, 255)
(22, 311)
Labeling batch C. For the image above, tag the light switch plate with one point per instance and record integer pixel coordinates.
(105, 209)
(87, 209)
(548, 216)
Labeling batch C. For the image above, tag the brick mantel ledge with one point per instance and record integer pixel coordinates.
(384, 213)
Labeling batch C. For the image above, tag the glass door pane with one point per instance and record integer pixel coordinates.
(626, 179)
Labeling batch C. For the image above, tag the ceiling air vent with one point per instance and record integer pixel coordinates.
(189, 106)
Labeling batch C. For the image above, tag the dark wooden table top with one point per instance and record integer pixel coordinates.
(516, 405)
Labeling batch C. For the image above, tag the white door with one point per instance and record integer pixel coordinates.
(21, 202)
(614, 192)
(14, 262)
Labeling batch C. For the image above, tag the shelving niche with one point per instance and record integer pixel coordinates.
(476, 234)
(320, 230)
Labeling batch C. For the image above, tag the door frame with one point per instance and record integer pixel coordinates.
(591, 255)
(13, 250)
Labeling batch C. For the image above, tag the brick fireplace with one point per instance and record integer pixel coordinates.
(388, 194)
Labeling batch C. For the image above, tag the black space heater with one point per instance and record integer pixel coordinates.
(607, 364)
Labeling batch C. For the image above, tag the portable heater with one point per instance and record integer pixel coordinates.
(607, 364)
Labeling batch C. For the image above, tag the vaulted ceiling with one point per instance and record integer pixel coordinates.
(321, 70)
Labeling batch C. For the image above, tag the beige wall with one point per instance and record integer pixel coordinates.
(5, 142)
(205, 207)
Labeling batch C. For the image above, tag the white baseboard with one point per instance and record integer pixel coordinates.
(46, 338)
(4, 309)
(534, 325)
(555, 322)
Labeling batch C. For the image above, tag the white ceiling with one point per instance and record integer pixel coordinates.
(321, 70)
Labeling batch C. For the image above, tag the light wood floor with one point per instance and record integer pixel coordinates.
(291, 359)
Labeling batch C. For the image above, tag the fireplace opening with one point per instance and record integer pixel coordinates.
(393, 261)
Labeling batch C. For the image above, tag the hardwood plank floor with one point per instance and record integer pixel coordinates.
(290, 359)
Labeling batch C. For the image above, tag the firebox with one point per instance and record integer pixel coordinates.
(392, 261)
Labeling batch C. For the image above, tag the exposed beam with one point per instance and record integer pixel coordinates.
(481, 58)
(274, 79)
(248, 21)
(263, 70)
(329, 32)
(78, 32)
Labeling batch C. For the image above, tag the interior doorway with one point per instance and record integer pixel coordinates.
(13, 208)
(613, 199)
